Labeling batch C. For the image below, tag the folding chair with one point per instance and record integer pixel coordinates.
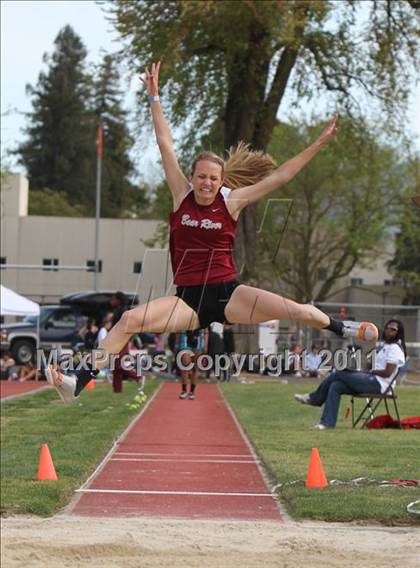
(372, 402)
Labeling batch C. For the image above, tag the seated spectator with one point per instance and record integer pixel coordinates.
(91, 334)
(313, 362)
(29, 372)
(294, 366)
(388, 360)
(87, 335)
(6, 364)
(106, 326)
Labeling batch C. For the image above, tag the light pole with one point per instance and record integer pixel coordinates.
(99, 146)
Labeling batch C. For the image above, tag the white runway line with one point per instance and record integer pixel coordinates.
(119, 440)
(114, 453)
(167, 454)
(151, 492)
(179, 460)
(258, 463)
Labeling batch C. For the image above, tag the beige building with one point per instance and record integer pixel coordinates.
(126, 262)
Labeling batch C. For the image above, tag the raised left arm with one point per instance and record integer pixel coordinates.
(244, 196)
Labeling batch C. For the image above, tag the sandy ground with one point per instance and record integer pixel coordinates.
(80, 542)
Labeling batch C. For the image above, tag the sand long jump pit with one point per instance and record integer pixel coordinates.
(66, 540)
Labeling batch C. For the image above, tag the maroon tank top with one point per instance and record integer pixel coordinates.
(201, 242)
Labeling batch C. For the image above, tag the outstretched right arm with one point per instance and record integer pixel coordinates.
(177, 182)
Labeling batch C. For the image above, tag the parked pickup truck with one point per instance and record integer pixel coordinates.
(58, 324)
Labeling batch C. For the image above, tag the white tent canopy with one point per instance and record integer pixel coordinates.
(13, 304)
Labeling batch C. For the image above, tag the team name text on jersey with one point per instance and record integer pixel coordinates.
(203, 224)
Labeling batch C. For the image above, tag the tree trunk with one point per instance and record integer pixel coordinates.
(252, 119)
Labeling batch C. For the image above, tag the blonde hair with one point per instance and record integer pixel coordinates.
(246, 167)
(208, 157)
(243, 166)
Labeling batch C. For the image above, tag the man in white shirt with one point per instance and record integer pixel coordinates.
(387, 362)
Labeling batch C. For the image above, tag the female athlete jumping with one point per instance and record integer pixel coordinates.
(206, 208)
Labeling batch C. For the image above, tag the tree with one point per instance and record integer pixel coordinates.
(54, 203)
(228, 64)
(406, 262)
(59, 152)
(338, 209)
(119, 195)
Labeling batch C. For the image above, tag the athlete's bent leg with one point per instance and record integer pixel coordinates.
(166, 314)
(163, 315)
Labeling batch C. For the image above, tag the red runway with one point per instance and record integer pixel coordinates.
(12, 389)
(180, 459)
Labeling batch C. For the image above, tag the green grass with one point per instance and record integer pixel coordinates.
(78, 437)
(279, 429)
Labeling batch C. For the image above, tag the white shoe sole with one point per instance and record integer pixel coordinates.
(364, 331)
(66, 389)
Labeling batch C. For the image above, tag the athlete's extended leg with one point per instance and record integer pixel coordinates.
(162, 315)
(253, 305)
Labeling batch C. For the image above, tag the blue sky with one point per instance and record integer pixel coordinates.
(28, 30)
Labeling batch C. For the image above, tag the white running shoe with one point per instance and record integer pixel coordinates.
(191, 396)
(364, 331)
(183, 395)
(303, 398)
(320, 427)
(64, 384)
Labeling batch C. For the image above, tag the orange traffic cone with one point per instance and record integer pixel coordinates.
(91, 384)
(316, 476)
(46, 469)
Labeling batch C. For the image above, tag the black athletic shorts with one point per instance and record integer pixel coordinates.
(208, 300)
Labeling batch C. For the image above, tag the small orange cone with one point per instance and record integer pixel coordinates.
(46, 469)
(91, 384)
(316, 476)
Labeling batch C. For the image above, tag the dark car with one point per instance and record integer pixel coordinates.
(58, 324)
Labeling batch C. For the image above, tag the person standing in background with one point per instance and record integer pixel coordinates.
(192, 344)
(119, 373)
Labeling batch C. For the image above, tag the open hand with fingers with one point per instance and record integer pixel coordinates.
(329, 133)
(150, 79)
